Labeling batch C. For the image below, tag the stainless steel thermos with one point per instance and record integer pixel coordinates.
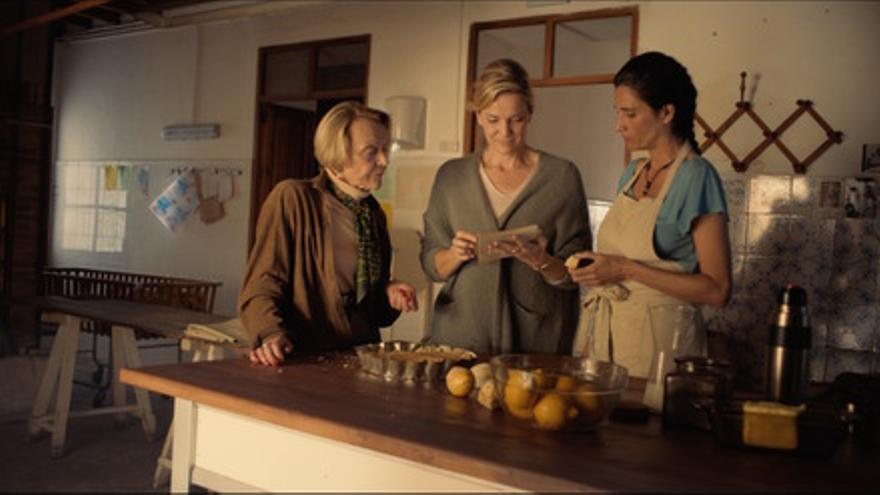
(788, 352)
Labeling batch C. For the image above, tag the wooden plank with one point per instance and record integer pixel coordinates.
(162, 321)
(327, 395)
(50, 16)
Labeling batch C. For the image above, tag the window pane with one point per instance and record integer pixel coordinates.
(111, 231)
(342, 66)
(79, 184)
(287, 73)
(591, 46)
(78, 228)
(577, 123)
(525, 44)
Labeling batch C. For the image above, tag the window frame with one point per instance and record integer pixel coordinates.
(546, 79)
(95, 206)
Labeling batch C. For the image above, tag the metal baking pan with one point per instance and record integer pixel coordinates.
(410, 361)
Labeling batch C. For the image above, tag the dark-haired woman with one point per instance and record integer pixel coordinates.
(664, 241)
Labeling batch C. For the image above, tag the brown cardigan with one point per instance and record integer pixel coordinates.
(290, 283)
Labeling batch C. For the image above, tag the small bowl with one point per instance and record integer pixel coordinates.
(557, 392)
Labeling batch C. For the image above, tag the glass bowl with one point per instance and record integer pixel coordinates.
(557, 392)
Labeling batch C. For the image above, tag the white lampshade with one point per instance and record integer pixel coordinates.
(407, 121)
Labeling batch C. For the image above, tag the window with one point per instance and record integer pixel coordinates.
(93, 218)
(571, 60)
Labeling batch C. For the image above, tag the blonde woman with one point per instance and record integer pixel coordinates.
(318, 275)
(525, 302)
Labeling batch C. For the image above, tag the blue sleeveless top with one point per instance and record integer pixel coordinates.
(696, 190)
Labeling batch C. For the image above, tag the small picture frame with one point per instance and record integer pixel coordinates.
(871, 158)
(860, 198)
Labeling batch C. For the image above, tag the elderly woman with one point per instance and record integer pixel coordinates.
(524, 302)
(318, 274)
(664, 240)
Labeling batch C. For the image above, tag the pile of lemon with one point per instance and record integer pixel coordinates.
(549, 401)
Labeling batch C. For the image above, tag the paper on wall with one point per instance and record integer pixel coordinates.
(123, 177)
(175, 204)
(110, 177)
(225, 187)
(143, 180)
(208, 180)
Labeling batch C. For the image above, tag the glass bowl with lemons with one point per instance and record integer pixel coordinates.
(557, 392)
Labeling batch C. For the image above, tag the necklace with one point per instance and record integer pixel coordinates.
(648, 180)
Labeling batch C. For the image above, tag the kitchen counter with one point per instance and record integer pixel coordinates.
(328, 397)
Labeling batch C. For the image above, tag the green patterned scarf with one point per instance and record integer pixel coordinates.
(369, 260)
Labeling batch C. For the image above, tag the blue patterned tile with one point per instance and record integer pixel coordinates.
(812, 238)
(839, 361)
(855, 239)
(817, 364)
(819, 329)
(735, 192)
(767, 234)
(855, 283)
(855, 329)
(763, 277)
(804, 195)
(736, 231)
(769, 194)
(740, 318)
(737, 262)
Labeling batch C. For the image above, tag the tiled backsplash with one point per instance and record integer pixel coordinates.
(782, 232)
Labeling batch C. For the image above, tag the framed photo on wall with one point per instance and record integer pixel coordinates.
(871, 158)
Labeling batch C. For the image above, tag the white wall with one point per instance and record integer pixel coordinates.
(114, 95)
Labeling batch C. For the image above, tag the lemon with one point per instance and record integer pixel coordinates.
(482, 374)
(565, 383)
(542, 380)
(588, 400)
(521, 378)
(550, 412)
(459, 381)
(487, 396)
(517, 396)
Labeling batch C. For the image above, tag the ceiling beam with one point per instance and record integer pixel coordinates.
(78, 20)
(50, 16)
(99, 14)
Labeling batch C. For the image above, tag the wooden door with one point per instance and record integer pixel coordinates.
(285, 152)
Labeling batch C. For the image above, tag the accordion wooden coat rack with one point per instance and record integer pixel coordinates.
(713, 136)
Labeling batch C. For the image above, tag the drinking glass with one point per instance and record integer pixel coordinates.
(673, 330)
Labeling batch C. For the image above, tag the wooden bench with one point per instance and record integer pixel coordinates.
(88, 283)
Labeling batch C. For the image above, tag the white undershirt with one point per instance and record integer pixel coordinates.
(501, 201)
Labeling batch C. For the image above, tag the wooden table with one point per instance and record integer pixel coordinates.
(125, 317)
(318, 423)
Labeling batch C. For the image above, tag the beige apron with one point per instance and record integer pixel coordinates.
(614, 321)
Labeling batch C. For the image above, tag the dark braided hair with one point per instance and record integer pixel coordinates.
(659, 80)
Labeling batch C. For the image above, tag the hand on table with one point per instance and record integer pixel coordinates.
(272, 352)
(402, 296)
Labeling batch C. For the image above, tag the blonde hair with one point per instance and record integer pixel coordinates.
(333, 139)
(498, 77)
